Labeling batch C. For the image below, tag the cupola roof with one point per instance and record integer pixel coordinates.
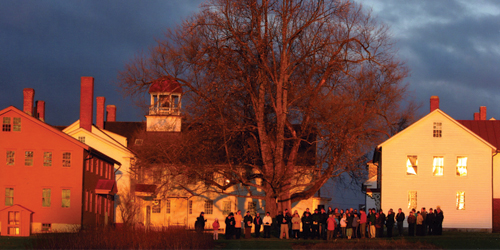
(165, 84)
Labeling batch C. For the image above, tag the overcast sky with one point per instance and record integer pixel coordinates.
(451, 47)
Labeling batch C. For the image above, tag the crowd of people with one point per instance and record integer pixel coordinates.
(330, 224)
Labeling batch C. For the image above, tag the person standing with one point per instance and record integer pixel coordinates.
(316, 218)
(281, 219)
(295, 225)
(412, 220)
(257, 221)
(350, 219)
(420, 220)
(382, 218)
(322, 225)
(390, 222)
(247, 220)
(372, 220)
(237, 226)
(268, 221)
(330, 226)
(355, 226)
(343, 225)
(230, 226)
(216, 227)
(400, 218)
(306, 225)
(430, 221)
(424, 222)
(362, 224)
(200, 223)
(439, 221)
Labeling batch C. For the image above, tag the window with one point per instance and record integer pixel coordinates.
(46, 197)
(28, 158)
(460, 200)
(167, 207)
(66, 198)
(138, 142)
(251, 207)
(81, 139)
(14, 217)
(226, 205)
(17, 124)
(46, 227)
(47, 159)
(437, 129)
(411, 165)
(412, 199)
(209, 207)
(190, 206)
(437, 166)
(97, 204)
(91, 199)
(461, 166)
(9, 196)
(156, 209)
(86, 200)
(10, 158)
(6, 124)
(66, 159)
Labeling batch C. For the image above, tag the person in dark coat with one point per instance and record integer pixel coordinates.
(322, 225)
(412, 220)
(379, 225)
(390, 222)
(248, 220)
(230, 226)
(200, 223)
(383, 218)
(316, 219)
(306, 225)
(430, 221)
(439, 221)
(257, 221)
(400, 218)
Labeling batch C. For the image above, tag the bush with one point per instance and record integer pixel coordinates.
(108, 238)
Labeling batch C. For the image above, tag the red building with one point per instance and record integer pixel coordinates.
(50, 181)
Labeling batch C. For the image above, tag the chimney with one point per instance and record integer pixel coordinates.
(111, 116)
(29, 96)
(86, 102)
(40, 110)
(476, 116)
(434, 102)
(99, 117)
(482, 113)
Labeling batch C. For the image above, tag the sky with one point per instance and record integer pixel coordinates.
(452, 48)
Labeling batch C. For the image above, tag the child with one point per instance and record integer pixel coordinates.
(216, 226)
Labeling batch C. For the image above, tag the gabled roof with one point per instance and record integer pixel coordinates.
(17, 205)
(445, 116)
(488, 130)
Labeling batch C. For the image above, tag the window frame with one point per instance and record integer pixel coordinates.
(437, 129)
(458, 174)
(9, 196)
(460, 200)
(16, 124)
(209, 207)
(412, 199)
(410, 165)
(6, 125)
(11, 157)
(437, 170)
(156, 206)
(47, 159)
(66, 199)
(29, 158)
(46, 197)
(66, 159)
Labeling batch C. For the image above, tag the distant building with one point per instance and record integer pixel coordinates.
(439, 161)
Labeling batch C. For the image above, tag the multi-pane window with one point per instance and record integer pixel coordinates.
(66, 198)
(66, 159)
(28, 158)
(437, 129)
(81, 139)
(251, 207)
(17, 124)
(437, 166)
(156, 207)
(47, 159)
(226, 206)
(6, 124)
(167, 207)
(412, 199)
(10, 158)
(46, 197)
(9, 196)
(209, 207)
(460, 200)
(411, 165)
(461, 166)
(14, 217)
(46, 227)
(190, 207)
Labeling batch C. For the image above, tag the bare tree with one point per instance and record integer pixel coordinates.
(272, 84)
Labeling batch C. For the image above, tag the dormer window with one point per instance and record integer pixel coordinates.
(437, 129)
(165, 104)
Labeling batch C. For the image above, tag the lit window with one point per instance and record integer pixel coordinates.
(13, 230)
(190, 205)
(226, 207)
(46, 197)
(156, 207)
(10, 158)
(47, 159)
(437, 166)
(81, 139)
(14, 217)
(412, 199)
(28, 158)
(411, 165)
(461, 166)
(9, 196)
(167, 207)
(437, 129)
(460, 200)
(209, 207)
(66, 198)
(17, 124)
(66, 159)
(6, 124)
(46, 227)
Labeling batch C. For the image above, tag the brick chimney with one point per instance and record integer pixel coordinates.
(29, 96)
(476, 116)
(99, 117)
(86, 102)
(111, 113)
(40, 110)
(434, 102)
(482, 113)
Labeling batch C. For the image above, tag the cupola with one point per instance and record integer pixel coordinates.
(165, 108)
